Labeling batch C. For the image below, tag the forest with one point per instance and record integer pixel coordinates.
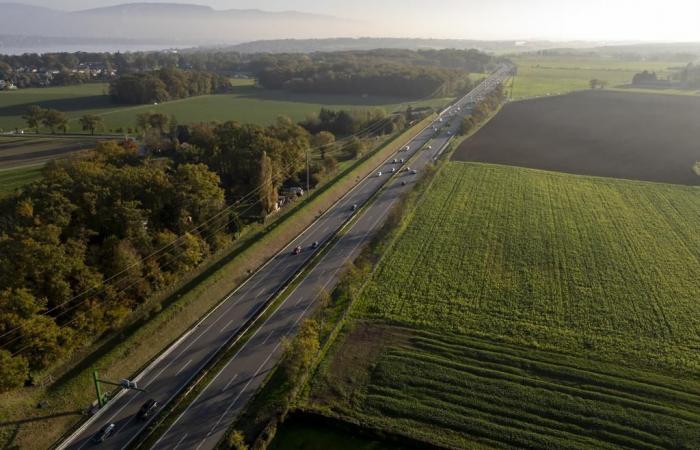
(164, 85)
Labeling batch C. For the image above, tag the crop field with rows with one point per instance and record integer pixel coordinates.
(605, 267)
(466, 392)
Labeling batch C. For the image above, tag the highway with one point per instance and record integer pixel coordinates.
(205, 420)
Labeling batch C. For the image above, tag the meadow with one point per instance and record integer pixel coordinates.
(523, 308)
(246, 103)
(541, 75)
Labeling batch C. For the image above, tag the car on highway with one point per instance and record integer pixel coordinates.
(407, 148)
(379, 174)
(430, 147)
(403, 183)
(414, 171)
(354, 207)
(401, 161)
(394, 161)
(393, 170)
(148, 409)
(297, 250)
(315, 245)
(104, 433)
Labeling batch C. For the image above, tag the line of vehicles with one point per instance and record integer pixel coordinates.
(146, 411)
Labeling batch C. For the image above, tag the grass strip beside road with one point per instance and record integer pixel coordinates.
(128, 353)
(16, 177)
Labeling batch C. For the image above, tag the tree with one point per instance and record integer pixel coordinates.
(354, 148)
(324, 142)
(596, 83)
(13, 371)
(466, 126)
(33, 117)
(268, 193)
(153, 120)
(236, 441)
(54, 119)
(91, 122)
(302, 350)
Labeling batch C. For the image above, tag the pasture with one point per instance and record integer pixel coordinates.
(531, 309)
(246, 103)
(541, 76)
(614, 134)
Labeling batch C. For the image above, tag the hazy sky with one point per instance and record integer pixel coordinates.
(623, 20)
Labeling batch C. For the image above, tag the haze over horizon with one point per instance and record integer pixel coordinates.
(597, 20)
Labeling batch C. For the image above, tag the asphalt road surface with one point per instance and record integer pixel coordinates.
(207, 418)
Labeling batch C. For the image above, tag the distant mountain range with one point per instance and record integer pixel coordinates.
(171, 22)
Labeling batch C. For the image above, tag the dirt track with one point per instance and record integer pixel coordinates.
(613, 134)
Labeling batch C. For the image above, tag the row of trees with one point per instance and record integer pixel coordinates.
(68, 68)
(165, 84)
(483, 110)
(344, 123)
(56, 120)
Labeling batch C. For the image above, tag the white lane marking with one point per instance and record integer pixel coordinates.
(183, 367)
(226, 326)
(180, 441)
(230, 381)
(268, 337)
(235, 400)
(260, 292)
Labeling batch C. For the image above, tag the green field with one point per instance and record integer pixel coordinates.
(11, 179)
(530, 309)
(554, 75)
(247, 103)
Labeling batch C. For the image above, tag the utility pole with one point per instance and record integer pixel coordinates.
(124, 384)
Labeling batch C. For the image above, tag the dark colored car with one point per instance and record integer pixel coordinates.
(297, 251)
(148, 409)
(314, 245)
(104, 433)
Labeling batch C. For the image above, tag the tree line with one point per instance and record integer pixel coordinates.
(400, 73)
(56, 120)
(165, 84)
(29, 70)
